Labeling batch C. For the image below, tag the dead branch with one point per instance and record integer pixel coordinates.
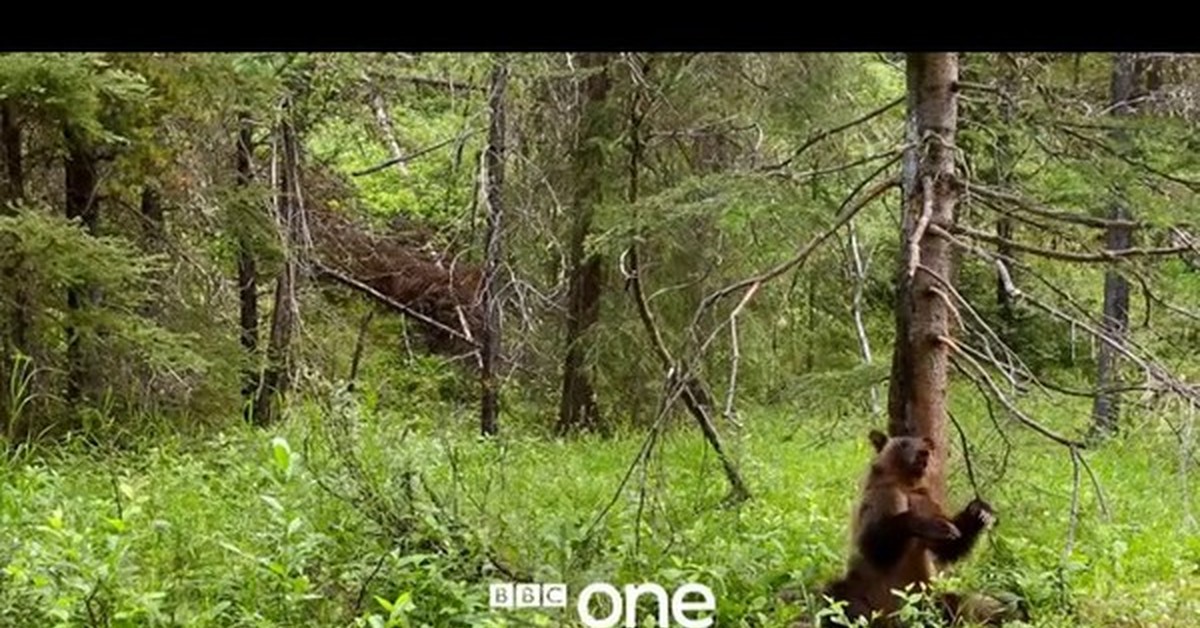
(670, 395)
(735, 358)
(991, 412)
(383, 118)
(812, 174)
(441, 83)
(351, 282)
(1095, 485)
(859, 269)
(694, 391)
(914, 245)
(835, 130)
(1036, 209)
(1152, 369)
(990, 334)
(962, 436)
(1136, 163)
(403, 159)
(1004, 400)
(1074, 517)
(1099, 256)
(849, 211)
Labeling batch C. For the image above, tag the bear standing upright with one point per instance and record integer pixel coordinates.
(900, 532)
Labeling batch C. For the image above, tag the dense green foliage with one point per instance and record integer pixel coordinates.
(137, 188)
(236, 531)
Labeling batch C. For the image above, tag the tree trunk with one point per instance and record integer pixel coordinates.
(920, 360)
(153, 228)
(10, 139)
(858, 269)
(1004, 163)
(247, 274)
(490, 336)
(1106, 407)
(154, 237)
(16, 335)
(80, 185)
(578, 409)
(696, 395)
(276, 376)
(386, 128)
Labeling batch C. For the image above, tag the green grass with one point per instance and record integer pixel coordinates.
(235, 531)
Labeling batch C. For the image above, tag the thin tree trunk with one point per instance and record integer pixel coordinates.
(490, 334)
(10, 139)
(1004, 163)
(920, 361)
(578, 409)
(360, 343)
(386, 128)
(80, 185)
(153, 228)
(696, 396)
(276, 376)
(153, 234)
(1106, 407)
(247, 274)
(810, 307)
(859, 269)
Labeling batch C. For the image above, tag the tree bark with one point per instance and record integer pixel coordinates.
(1106, 407)
(10, 139)
(490, 336)
(247, 274)
(920, 359)
(16, 336)
(578, 409)
(386, 128)
(1004, 162)
(276, 375)
(80, 186)
(858, 269)
(360, 343)
(153, 227)
(154, 237)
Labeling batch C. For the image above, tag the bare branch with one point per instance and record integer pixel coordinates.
(914, 245)
(1036, 209)
(990, 334)
(1003, 399)
(441, 83)
(411, 156)
(812, 174)
(1074, 518)
(1152, 369)
(388, 301)
(849, 211)
(1188, 183)
(837, 129)
(962, 436)
(1099, 256)
(1095, 486)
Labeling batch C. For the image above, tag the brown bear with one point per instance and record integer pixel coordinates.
(901, 534)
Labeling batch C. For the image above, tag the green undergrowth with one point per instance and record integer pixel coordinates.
(254, 528)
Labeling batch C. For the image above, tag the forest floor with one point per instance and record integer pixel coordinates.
(268, 528)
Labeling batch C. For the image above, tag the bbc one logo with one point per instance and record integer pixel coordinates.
(677, 609)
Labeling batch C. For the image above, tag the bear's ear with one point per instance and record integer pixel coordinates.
(878, 440)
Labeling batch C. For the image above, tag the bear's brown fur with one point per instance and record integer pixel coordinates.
(900, 533)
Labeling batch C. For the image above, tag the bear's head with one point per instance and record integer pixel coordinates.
(906, 457)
